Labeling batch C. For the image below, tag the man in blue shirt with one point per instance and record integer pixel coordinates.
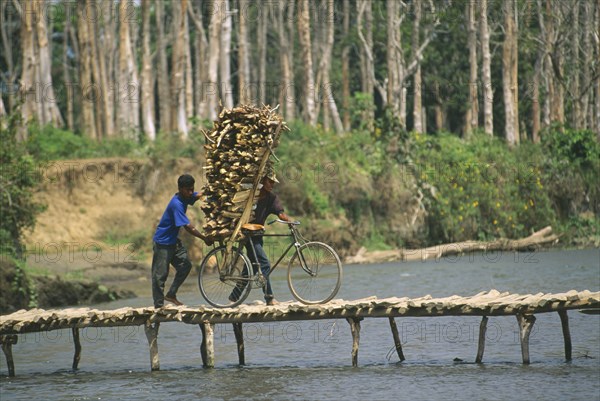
(168, 249)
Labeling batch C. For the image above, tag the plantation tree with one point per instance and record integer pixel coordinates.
(285, 27)
(201, 61)
(243, 53)
(509, 74)
(346, 66)
(128, 83)
(472, 114)
(211, 89)
(418, 83)
(164, 87)
(86, 82)
(224, 55)
(147, 77)
(307, 67)
(486, 74)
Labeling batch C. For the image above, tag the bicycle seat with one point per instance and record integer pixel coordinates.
(253, 227)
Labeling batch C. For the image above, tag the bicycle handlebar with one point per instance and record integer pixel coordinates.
(294, 223)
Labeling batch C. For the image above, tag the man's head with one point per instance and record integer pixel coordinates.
(269, 181)
(185, 183)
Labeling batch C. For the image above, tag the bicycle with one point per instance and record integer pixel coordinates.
(314, 270)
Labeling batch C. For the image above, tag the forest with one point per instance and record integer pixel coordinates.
(135, 69)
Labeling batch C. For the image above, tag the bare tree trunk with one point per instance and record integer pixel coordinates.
(325, 65)
(28, 87)
(588, 54)
(488, 93)
(438, 108)
(178, 62)
(224, 55)
(597, 123)
(472, 114)
(128, 107)
(346, 67)
(8, 55)
(535, 102)
(189, 70)
(106, 46)
(164, 90)
(201, 65)
(88, 125)
(98, 83)
(262, 54)
(511, 119)
(211, 90)
(576, 118)
(417, 104)
(147, 80)
(306, 50)
(394, 60)
(245, 94)
(49, 102)
(66, 75)
(286, 97)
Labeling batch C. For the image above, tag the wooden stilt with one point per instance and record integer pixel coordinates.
(397, 343)
(481, 345)
(525, 325)
(355, 329)
(152, 336)
(77, 343)
(239, 339)
(7, 343)
(564, 320)
(207, 349)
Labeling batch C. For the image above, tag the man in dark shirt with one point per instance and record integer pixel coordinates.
(168, 248)
(268, 203)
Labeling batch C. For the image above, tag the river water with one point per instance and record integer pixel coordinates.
(312, 361)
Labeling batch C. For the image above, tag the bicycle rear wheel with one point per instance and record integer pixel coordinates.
(224, 283)
(314, 273)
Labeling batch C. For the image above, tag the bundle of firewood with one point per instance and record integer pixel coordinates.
(237, 157)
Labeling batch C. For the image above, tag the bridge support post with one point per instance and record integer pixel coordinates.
(564, 320)
(77, 343)
(397, 343)
(525, 325)
(481, 345)
(239, 339)
(152, 336)
(7, 343)
(355, 329)
(207, 349)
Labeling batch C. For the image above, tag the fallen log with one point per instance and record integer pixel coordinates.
(544, 236)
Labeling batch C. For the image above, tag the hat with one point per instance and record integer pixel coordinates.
(271, 176)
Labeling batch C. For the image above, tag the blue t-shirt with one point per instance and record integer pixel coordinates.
(172, 219)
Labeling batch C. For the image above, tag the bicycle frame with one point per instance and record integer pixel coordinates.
(257, 271)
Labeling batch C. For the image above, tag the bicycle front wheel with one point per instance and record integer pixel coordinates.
(314, 273)
(223, 281)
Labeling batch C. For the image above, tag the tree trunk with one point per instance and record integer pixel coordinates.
(394, 60)
(106, 50)
(128, 104)
(488, 92)
(262, 54)
(28, 87)
(417, 104)
(511, 119)
(164, 90)
(88, 125)
(325, 66)
(588, 54)
(178, 62)
(245, 94)
(8, 55)
(286, 36)
(576, 120)
(189, 70)
(100, 89)
(201, 64)
(49, 104)
(306, 57)
(224, 56)
(66, 75)
(211, 90)
(147, 79)
(346, 67)
(472, 114)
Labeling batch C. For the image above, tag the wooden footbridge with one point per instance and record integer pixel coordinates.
(485, 304)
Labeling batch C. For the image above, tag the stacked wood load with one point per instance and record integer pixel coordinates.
(237, 157)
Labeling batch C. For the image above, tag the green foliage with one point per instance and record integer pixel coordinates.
(479, 189)
(18, 178)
